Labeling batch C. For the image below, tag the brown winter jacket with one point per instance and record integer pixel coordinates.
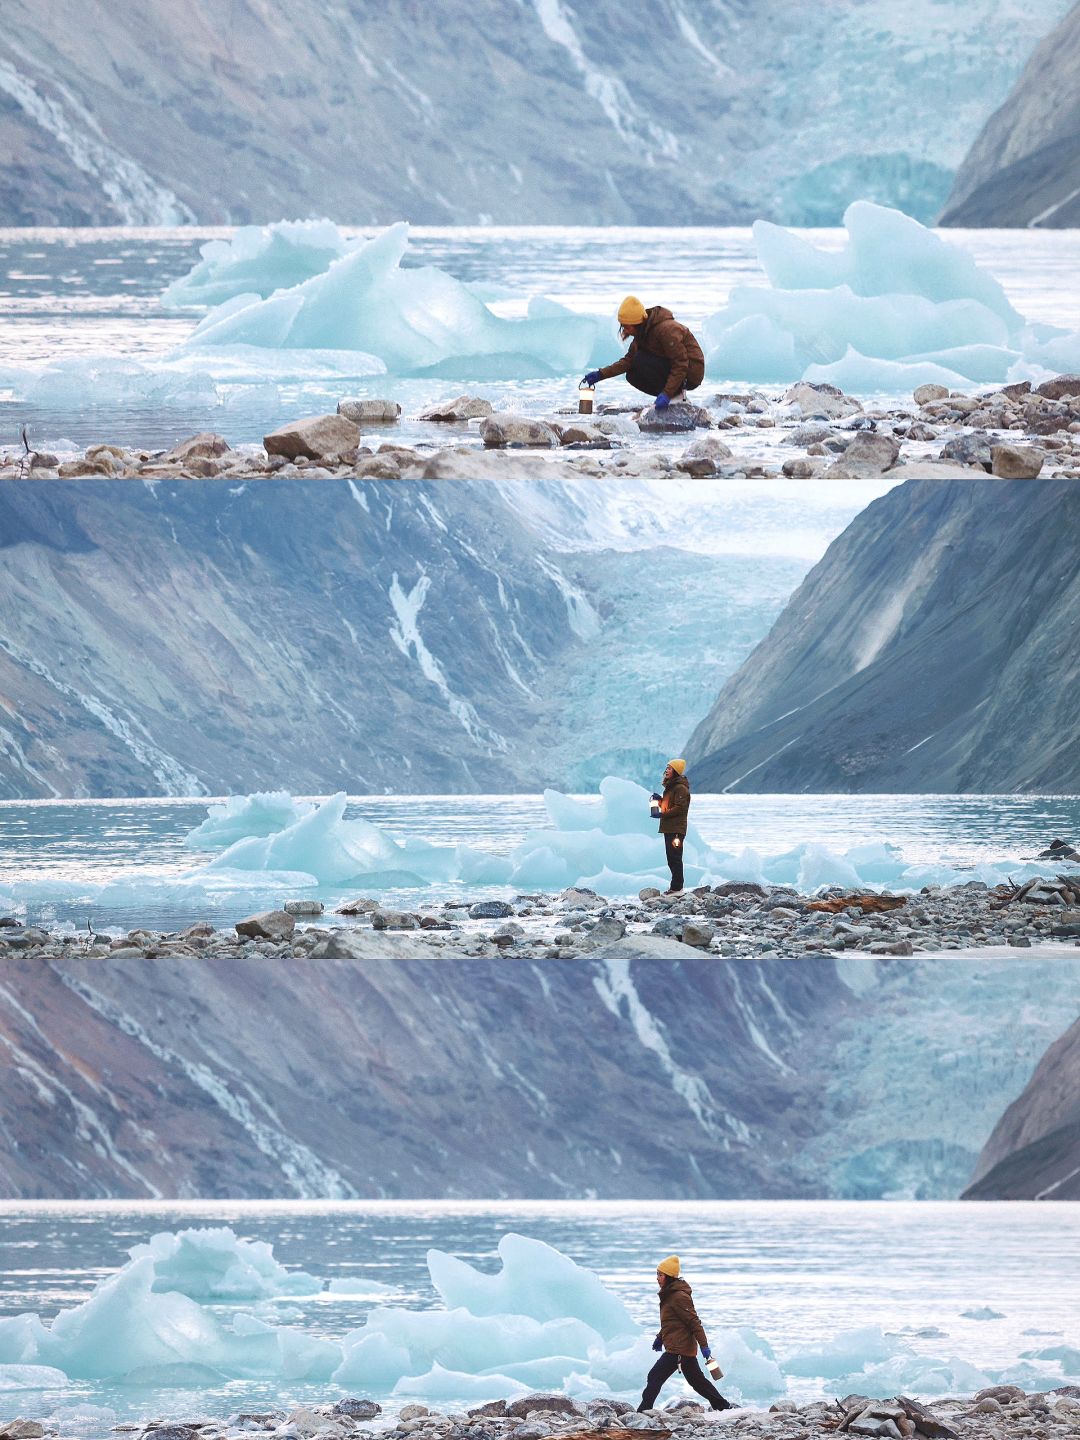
(680, 1329)
(675, 806)
(663, 335)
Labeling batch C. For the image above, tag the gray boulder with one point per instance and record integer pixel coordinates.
(705, 455)
(1016, 462)
(542, 1400)
(318, 437)
(269, 925)
(969, 450)
(369, 412)
(673, 420)
(1060, 387)
(499, 431)
(870, 453)
(205, 446)
(819, 398)
(927, 394)
(465, 407)
(490, 910)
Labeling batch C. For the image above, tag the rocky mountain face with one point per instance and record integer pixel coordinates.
(199, 638)
(613, 1078)
(512, 111)
(1034, 1151)
(928, 651)
(1024, 167)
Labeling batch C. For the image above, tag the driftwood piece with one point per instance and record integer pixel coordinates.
(868, 904)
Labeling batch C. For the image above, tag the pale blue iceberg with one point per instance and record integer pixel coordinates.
(417, 322)
(243, 816)
(257, 260)
(897, 307)
(215, 1264)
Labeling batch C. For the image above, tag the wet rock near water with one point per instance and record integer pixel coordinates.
(1001, 1412)
(732, 919)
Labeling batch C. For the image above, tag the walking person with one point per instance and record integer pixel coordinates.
(680, 1334)
(674, 806)
(664, 358)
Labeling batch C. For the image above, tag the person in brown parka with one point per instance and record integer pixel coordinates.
(674, 810)
(664, 358)
(680, 1334)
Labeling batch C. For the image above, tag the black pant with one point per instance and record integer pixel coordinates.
(663, 1370)
(649, 373)
(673, 844)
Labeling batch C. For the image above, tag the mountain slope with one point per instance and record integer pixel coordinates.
(1034, 1151)
(533, 111)
(627, 1079)
(930, 650)
(1024, 167)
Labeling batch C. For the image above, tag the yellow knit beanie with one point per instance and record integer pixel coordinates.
(631, 311)
(679, 766)
(670, 1266)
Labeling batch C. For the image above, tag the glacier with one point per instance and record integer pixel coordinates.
(896, 307)
(541, 1322)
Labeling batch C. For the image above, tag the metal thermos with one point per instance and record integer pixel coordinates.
(585, 394)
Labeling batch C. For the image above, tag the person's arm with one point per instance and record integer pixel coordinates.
(674, 348)
(620, 367)
(690, 1318)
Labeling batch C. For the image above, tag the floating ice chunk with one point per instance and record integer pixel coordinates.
(899, 306)
(535, 1280)
(215, 1264)
(849, 1351)
(441, 1384)
(105, 380)
(318, 843)
(244, 816)
(257, 260)
(418, 321)
(31, 1377)
(887, 252)
(984, 1312)
(356, 1287)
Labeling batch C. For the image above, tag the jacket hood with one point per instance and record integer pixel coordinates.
(674, 784)
(673, 1286)
(655, 314)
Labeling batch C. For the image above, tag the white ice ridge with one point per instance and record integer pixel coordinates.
(414, 321)
(257, 260)
(896, 307)
(610, 846)
(542, 1322)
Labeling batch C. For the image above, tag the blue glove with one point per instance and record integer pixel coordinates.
(663, 400)
(591, 378)
(658, 1344)
(706, 1352)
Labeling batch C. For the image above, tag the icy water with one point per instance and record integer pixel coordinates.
(118, 862)
(799, 1274)
(70, 294)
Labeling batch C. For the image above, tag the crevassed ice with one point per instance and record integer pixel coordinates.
(417, 322)
(611, 846)
(898, 306)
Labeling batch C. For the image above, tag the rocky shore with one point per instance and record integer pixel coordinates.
(997, 1413)
(807, 431)
(735, 919)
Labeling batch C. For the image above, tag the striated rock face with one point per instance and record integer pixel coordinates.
(1034, 1151)
(1024, 167)
(925, 652)
(850, 1077)
(195, 637)
(552, 112)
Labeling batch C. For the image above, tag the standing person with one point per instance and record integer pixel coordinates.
(664, 358)
(681, 1332)
(674, 809)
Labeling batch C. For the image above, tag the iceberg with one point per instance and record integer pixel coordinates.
(214, 1264)
(898, 306)
(415, 321)
(257, 260)
(245, 816)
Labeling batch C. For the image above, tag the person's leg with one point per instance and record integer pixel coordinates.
(649, 373)
(673, 845)
(661, 1372)
(695, 1378)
